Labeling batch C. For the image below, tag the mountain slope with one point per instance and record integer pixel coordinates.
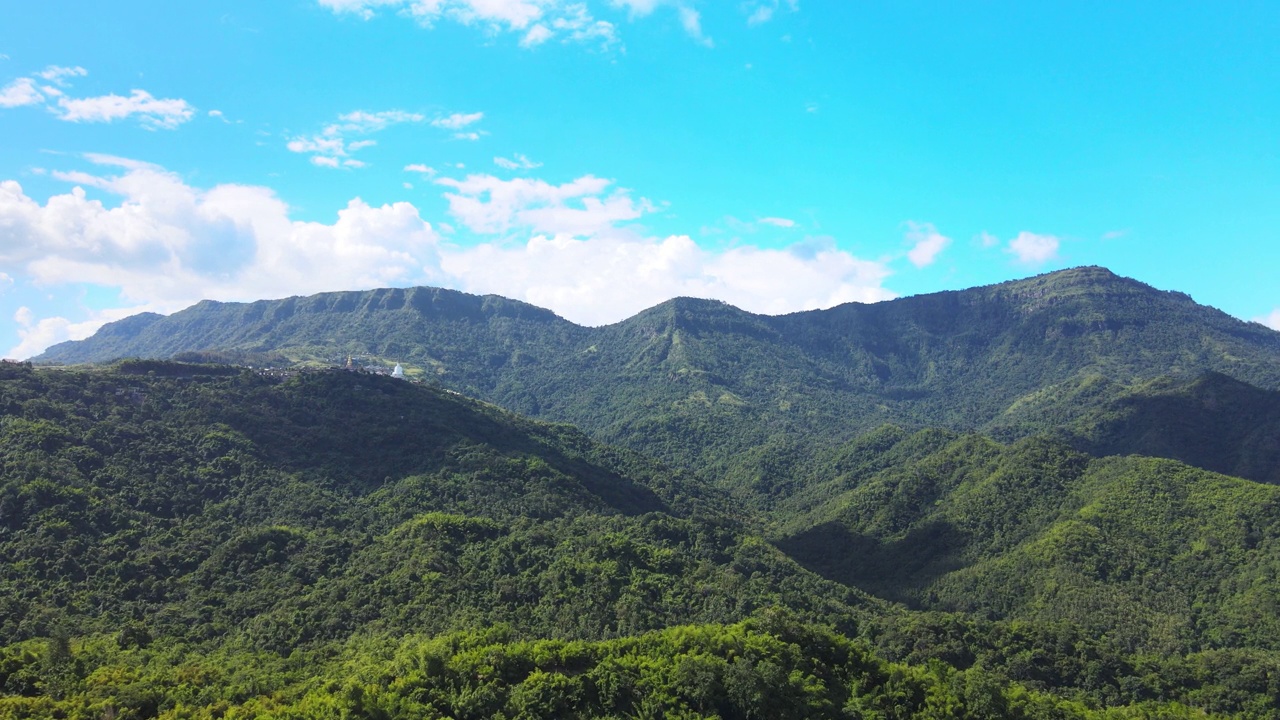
(290, 511)
(1150, 553)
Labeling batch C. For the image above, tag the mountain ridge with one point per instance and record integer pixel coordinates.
(701, 384)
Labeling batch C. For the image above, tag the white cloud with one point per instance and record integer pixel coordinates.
(361, 121)
(987, 240)
(20, 92)
(537, 21)
(457, 121)
(606, 279)
(56, 74)
(36, 335)
(5, 282)
(1272, 321)
(778, 222)
(760, 12)
(420, 168)
(330, 148)
(577, 25)
(490, 205)
(165, 245)
(537, 35)
(637, 8)
(152, 112)
(926, 243)
(516, 162)
(1034, 249)
(691, 20)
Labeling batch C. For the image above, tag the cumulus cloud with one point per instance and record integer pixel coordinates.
(1272, 321)
(516, 162)
(330, 147)
(420, 168)
(1032, 249)
(34, 335)
(164, 245)
(606, 279)
(536, 21)
(151, 112)
(20, 92)
(926, 243)
(489, 205)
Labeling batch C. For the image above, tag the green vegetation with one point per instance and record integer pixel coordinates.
(189, 540)
(1001, 502)
(766, 668)
(1151, 554)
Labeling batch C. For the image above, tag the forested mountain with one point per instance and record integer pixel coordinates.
(1010, 501)
(202, 541)
(700, 384)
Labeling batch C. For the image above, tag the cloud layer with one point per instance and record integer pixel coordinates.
(570, 247)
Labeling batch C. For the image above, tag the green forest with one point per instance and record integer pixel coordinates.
(1051, 498)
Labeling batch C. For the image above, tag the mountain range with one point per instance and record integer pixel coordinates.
(701, 384)
(1054, 497)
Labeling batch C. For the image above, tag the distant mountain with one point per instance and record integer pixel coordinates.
(702, 384)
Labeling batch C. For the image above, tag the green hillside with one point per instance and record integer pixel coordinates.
(1155, 555)
(201, 541)
(287, 510)
(1211, 421)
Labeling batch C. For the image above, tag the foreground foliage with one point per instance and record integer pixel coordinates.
(766, 668)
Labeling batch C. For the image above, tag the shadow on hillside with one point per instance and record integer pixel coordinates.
(895, 570)
(368, 430)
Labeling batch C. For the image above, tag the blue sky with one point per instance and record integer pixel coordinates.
(600, 156)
